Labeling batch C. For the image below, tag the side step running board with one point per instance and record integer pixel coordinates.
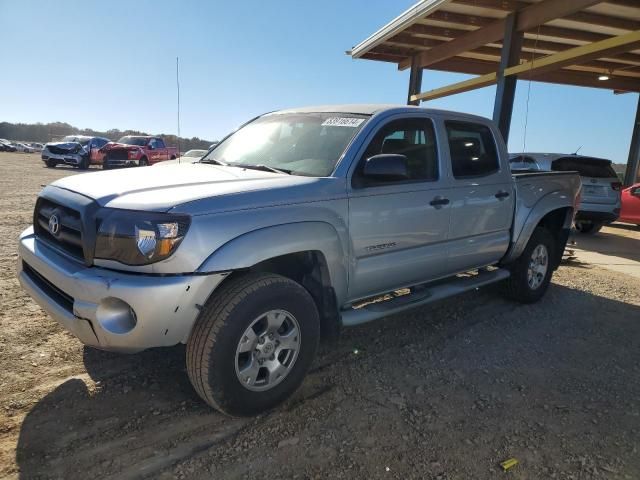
(425, 295)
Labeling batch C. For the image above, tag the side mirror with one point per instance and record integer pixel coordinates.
(635, 192)
(150, 147)
(386, 166)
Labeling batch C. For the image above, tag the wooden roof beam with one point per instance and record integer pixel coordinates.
(577, 55)
(529, 17)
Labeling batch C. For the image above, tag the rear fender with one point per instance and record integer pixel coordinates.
(259, 245)
(528, 223)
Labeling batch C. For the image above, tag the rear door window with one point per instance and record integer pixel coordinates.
(472, 149)
(585, 166)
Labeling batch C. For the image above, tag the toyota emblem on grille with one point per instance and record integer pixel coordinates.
(54, 224)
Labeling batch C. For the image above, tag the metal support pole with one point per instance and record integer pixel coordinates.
(506, 86)
(631, 173)
(415, 81)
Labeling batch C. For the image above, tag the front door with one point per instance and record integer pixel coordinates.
(482, 197)
(398, 227)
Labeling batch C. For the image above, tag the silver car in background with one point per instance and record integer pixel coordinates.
(601, 187)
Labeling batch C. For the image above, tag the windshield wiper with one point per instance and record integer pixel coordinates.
(212, 162)
(264, 168)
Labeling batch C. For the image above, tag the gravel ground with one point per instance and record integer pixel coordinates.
(445, 392)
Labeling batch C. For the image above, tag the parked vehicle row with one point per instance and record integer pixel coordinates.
(24, 147)
(82, 151)
(287, 231)
(600, 202)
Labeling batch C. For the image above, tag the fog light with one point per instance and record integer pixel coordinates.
(116, 316)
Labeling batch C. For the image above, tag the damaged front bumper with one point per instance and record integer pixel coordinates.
(112, 310)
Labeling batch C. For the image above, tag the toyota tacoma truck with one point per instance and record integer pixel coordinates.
(299, 223)
(140, 151)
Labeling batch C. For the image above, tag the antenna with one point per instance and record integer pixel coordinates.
(178, 88)
(576, 152)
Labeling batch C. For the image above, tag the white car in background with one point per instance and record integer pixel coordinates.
(191, 156)
(24, 148)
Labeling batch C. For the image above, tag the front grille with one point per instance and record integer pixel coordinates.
(61, 298)
(58, 150)
(69, 235)
(118, 154)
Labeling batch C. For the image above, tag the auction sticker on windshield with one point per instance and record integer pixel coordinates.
(342, 122)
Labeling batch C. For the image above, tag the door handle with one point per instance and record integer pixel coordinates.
(502, 194)
(438, 202)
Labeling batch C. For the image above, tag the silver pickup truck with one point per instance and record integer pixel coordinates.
(297, 224)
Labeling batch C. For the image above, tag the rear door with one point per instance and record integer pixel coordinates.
(600, 184)
(159, 152)
(482, 196)
(95, 157)
(398, 227)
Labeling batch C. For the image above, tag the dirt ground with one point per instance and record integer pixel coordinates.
(444, 392)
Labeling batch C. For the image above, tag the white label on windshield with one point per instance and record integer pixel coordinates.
(342, 122)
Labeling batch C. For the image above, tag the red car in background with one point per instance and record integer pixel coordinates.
(630, 211)
(136, 150)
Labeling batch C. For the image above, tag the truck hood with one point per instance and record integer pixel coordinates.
(167, 187)
(64, 145)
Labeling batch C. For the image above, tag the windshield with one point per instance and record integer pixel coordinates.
(304, 144)
(139, 141)
(72, 138)
(195, 153)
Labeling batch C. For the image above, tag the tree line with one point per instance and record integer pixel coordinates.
(51, 132)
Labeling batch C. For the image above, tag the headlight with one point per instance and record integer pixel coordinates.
(139, 238)
(133, 153)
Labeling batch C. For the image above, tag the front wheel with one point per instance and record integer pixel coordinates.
(531, 272)
(253, 343)
(51, 163)
(143, 162)
(84, 164)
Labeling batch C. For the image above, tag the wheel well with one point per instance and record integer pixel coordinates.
(309, 269)
(555, 222)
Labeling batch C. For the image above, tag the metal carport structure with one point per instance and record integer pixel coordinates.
(588, 43)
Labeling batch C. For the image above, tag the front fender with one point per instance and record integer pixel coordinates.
(259, 245)
(527, 219)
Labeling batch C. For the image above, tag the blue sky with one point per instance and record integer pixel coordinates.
(112, 65)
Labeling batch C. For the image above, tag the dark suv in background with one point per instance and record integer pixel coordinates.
(601, 187)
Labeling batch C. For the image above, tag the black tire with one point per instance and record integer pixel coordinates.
(105, 163)
(143, 162)
(517, 286)
(173, 157)
(588, 227)
(51, 163)
(211, 349)
(84, 163)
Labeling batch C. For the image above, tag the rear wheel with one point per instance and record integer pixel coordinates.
(588, 227)
(253, 343)
(531, 272)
